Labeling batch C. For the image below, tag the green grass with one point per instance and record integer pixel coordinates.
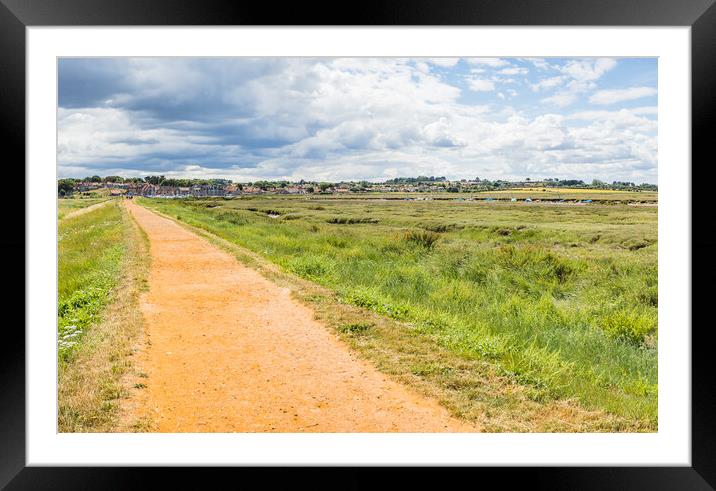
(562, 300)
(90, 249)
(103, 260)
(68, 205)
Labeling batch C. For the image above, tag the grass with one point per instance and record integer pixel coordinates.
(102, 264)
(552, 309)
(66, 206)
(572, 194)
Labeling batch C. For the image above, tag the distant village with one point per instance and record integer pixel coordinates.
(161, 187)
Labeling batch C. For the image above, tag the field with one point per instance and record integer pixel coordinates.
(603, 196)
(70, 205)
(99, 263)
(572, 194)
(551, 304)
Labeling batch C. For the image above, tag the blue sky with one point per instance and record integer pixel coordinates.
(359, 118)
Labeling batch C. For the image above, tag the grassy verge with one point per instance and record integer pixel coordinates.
(513, 317)
(102, 266)
(66, 206)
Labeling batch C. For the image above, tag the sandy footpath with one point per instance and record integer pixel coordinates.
(230, 351)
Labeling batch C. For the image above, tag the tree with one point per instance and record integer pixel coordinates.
(323, 186)
(65, 186)
(154, 179)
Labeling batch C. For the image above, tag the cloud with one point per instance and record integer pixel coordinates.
(444, 62)
(480, 85)
(548, 83)
(514, 71)
(439, 134)
(577, 77)
(540, 63)
(344, 118)
(589, 70)
(620, 95)
(562, 99)
(491, 62)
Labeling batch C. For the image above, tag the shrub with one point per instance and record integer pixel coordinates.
(308, 267)
(635, 244)
(367, 299)
(350, 221)
(337, 242)
(231, 217)
(441, 227)
(629, 325)
(421, 238)
(355, 327)
(648, 296)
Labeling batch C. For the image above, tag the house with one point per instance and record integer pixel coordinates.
(232, 190)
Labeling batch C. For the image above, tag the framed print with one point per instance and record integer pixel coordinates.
(438, 236)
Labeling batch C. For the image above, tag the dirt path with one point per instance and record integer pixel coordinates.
(230, 351)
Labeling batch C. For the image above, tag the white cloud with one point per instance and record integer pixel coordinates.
(514, 71)
(548, 83)
(588, 70)
(480, 85)
(540, 63)
(444, 62)
(333, 119)
(439, 133)
(578, 76)
(562, 99)
(620, 95)
(633, 116)
(491, 62)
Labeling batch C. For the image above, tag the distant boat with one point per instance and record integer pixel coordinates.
(529, 200)
(513, 199)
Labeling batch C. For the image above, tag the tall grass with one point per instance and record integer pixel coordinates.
(103, 262)
(558, 299)
(66, 206)
(90, 248)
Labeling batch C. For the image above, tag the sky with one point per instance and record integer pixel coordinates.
(333, 119)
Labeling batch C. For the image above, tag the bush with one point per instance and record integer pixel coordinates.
(350, 221)
(629, 325)
(421, 238)
(231, 217)
(308, 267)
(441, 227)
(355, 327)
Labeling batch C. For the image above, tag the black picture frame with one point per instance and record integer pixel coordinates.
(700, 15)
